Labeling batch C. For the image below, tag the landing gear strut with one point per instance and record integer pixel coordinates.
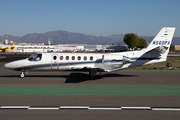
(92, 74)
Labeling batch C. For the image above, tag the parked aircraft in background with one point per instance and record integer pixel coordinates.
(5, 49)
(155, 52)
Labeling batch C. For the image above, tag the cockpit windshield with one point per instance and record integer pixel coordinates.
(35, 57)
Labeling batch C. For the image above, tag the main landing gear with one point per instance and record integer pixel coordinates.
(92, 74)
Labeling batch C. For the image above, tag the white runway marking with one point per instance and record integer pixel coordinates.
(99, 108)
(136, 108)
(87, 107)
(14, 107)
(171, 109)
(74, 107)
(43, 108)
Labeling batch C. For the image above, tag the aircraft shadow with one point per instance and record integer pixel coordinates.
(74, 77)
(82, 77)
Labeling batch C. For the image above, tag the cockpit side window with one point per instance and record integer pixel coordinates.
(35, 57)
(30, 58)
(38, 57)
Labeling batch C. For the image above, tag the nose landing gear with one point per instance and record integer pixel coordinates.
(22, 74)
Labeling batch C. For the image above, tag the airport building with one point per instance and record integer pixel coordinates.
(66, 48)
(117, 48)
(90, 48)
(48, 48)
(40, 47)
(6, 42)
(177, 47)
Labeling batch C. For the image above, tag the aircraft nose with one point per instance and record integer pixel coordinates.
(7, 66)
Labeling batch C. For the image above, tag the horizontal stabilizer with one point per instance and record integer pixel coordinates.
(159, 49)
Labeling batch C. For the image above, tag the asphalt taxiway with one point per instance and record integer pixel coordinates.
(88, 115)
(123, 88)
(127, 88)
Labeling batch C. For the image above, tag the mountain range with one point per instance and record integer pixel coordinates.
(64, 37)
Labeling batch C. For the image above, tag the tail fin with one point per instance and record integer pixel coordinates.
(161, 43)
(13, 47)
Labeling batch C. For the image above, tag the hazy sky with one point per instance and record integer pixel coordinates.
(91, 17)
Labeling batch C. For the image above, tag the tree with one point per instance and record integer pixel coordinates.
(172, 48)
(142, 43)
(131, 40)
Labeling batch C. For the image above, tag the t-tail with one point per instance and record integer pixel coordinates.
(160, 45)
(13, 47)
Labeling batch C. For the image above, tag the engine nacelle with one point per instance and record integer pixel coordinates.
(116, 60)
(127, 60)
(112, 59)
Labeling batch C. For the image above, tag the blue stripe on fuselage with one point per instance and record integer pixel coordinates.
(78, 63)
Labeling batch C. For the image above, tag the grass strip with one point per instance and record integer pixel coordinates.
(90, 90)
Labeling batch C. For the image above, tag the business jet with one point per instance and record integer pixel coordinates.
(4, 49)
(155, 52)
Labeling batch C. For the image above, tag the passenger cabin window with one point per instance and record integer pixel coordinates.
(91, 58)
(85, 58)
(35, 57)
(67, 57)
(54, 58)
(73, 58)
(61, 57)
(79, 57)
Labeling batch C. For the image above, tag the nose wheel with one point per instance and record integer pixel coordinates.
(22, 74)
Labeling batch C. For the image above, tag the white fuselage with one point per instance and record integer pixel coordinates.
(82, 61)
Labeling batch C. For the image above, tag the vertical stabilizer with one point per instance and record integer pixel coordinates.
(13, 47)
(161, 43)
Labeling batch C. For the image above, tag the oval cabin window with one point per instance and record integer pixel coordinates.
(73, 58)
(91, 58)
(61, 57)
(79, 57)
(54, 57)
(67, 57)
(85, 58)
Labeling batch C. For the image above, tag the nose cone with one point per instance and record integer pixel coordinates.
(7, 66)
(14, 65)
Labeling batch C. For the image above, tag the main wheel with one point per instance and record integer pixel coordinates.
(92, 73)
(92, 77)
